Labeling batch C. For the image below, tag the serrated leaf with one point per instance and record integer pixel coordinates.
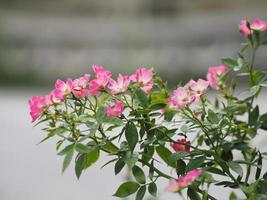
(126, 189)
(139, 175)
(131, 135)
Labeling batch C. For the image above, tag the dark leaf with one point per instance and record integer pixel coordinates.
(131, 135)
(126, 189)
(165, 155)
(139, 175)
(195, 163)
(152, 189)
(67, 159)
(140, 193)
(119, 166)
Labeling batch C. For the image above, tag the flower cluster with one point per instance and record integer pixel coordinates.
(183, 181)
(83, 87)
(255, 25)
(192, 91)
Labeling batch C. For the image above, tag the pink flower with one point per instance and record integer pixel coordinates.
(243, 27)
(51, 99)
(172, 186)
(102, 75)
(94, 88)
(115, 110)
(119, 86)
(180, 98)
(37, 106)
(198, 87)
(143, 77)
(258, 25)
(214, 74)
(183, 181)
(62, 89)
(183, 146)
(79, 86)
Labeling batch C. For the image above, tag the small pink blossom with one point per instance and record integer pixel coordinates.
(199, 87)
(119, 86)
(183, 181)
(243, 27)
(79, 86)
(143, 77)
(37, 106)
(116, 110)
(214, 74)
(63, 88)
(182, 145)
(258, 25)
(51, 99)
(102, 76)
(94, 88)
(180, 98)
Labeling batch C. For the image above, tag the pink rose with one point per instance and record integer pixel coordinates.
(243, 27)
(258, 25)
(119, 86)
(180, 98)
(62, 89)
(214, 74)
(199, 87)
(183, 146)
(37, 105)
(79, 86)
(116, 110)
(143, 77)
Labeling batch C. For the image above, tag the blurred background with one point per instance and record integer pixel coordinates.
(41, 41)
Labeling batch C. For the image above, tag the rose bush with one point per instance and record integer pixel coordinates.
(204, 139)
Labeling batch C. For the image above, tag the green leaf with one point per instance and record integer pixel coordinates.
(232, 196)
(126, 189)
(264, 42)
(215, 171)
(236, 168)
(131, 135)
(100, 114)
(192, 194)
(67, 159)
(139, 175)
(259, 164)
(213, 118)
(165, 155)
(81, 148)
(79, 165)
(91, 158)
(148, 153)
(230, 62)
(142, 98)
(168, 115)
(178, 155)
(130, 159)
(66, 150)
(119, 166)
(152, 189)
(181, 167)
(140, 193)
(195, 163)
(109, 147)
(254, 116)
